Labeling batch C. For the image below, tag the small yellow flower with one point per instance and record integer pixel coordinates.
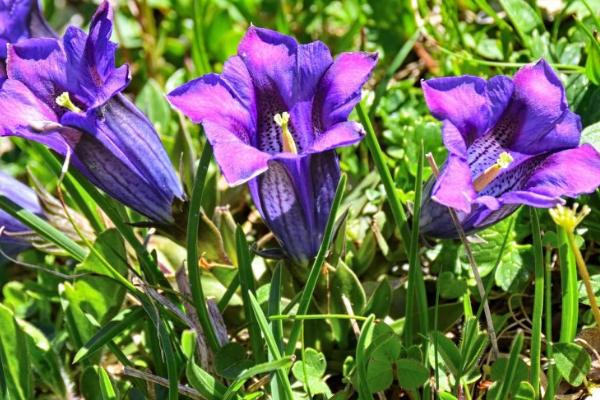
(569, 218)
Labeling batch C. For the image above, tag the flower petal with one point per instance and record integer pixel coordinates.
(128, 135)
(539, 104)
(341, 134)
(285, 76)
(470, 103)
(566, 173)
(40, 64)
(228, 124)
(91, 60)
(453, 187)
(340, 88)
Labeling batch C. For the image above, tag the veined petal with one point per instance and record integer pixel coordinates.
(540, 103)
(340, 88)
(568, 173)
(341, 134)
(285, 76)
(454, 187)
(128, 136)
(40, 65)
(91, 59)
(471, 104)
(294, 197)
(38, 26)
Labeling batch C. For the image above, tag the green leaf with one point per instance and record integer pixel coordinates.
(411, 374)
(591, 135)
(383, 353)
(572, 362)
(153, 103)
(449, 353)
(310, 372)
(106, 387)
(125, 320)
(231, 360)
(208, 386)
(523, 17)
(524, 392)
(14, 357)
(381, 299)
(364, 340)
(277, 365)
(345, 284)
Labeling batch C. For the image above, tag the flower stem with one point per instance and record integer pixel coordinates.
(585, 276)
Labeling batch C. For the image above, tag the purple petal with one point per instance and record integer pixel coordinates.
(91, 60)
(129, 140)
(566, 173)
(13, 22)
(285, 76)
(294, 197)
(340, 88)
(471, 104)
(341, 134)
(38, 26)
(538, 118)
(229, 126)
(40, 65)
(454, 187)
(20, 109)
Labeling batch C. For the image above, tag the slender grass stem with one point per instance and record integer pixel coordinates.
(548, 322)
(192, 250)
(585, 277)
(570, 296)
(474, 267)
(538, 303)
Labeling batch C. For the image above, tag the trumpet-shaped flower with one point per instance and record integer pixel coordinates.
(66, 95)
(274, 116)
(510, 142)
(10, 241)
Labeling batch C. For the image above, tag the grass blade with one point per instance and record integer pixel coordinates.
(315, 270)
(194, 272)
(511, 367)
(538, 302)
(43, 228)
(106, 388)
(272, 346)
(364, 340)
(281, 364)
(118, 324)
(247, 285)
(416, 284)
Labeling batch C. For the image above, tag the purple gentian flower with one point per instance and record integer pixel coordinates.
(274, 117)
(66, 95)
(20, 19)
(20, 194)
(510, 142)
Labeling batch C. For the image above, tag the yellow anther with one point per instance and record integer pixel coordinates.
(569, 218)
(64, 100)
(483, 180)
(282, 120)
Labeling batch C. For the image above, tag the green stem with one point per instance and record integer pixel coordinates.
(192, 250)
(538, 303)
(570, 299)
(315, 271)
(548, 301)
(585, 277)
(43, 228)
(386, 176)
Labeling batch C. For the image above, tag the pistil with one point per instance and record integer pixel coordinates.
(282, 120)
(483, 180)
(64, 100)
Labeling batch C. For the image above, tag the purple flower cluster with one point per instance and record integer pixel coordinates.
(66, 94)
(274, 117)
